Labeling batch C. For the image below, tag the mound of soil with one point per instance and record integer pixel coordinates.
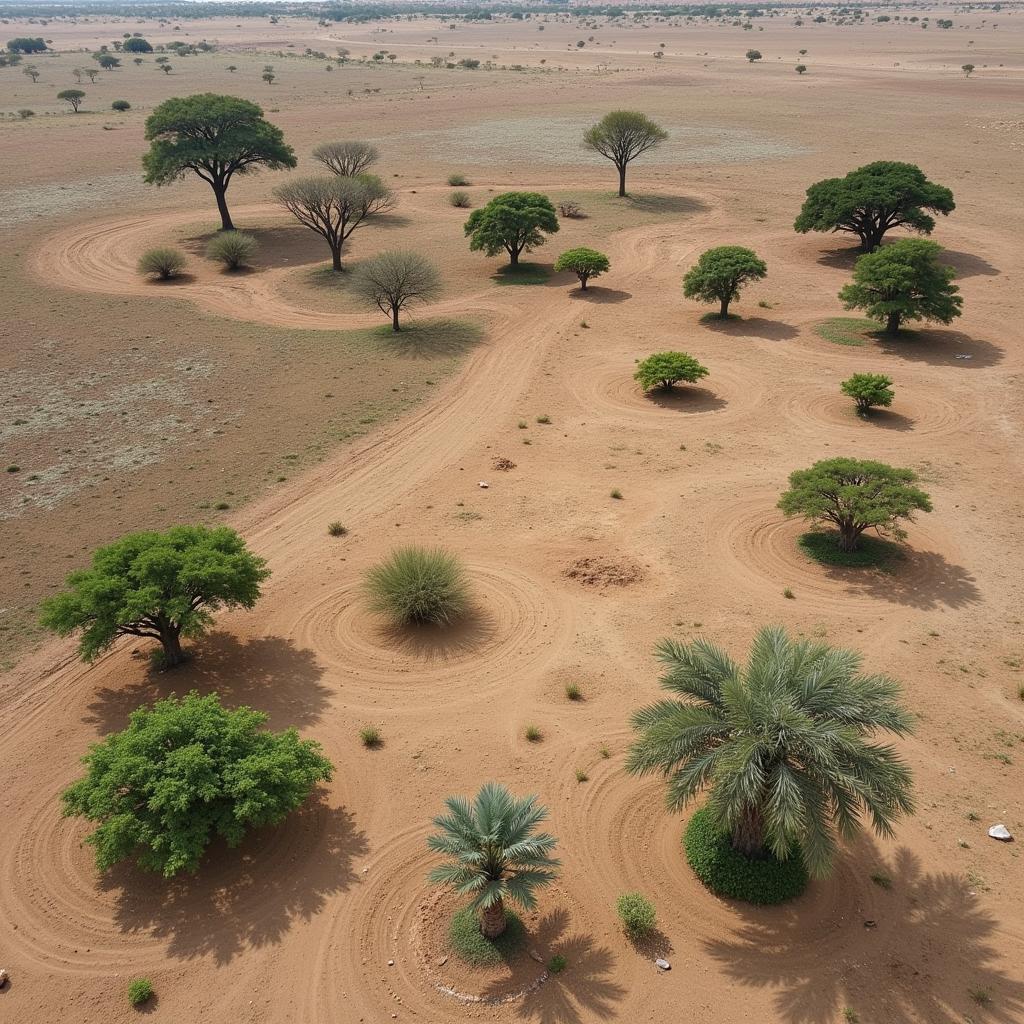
(604, 572)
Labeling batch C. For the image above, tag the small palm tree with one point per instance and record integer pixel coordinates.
(496, 852)
(783, 745)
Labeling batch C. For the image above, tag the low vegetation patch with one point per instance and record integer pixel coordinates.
(234, 249)
(473, 947)
(726, 872)
(637, 914)
(163, 262)
(847, 330)
(522, 273)
(140, 991)
(823, 547)
(419, 585)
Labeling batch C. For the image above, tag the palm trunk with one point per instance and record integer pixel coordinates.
(493, 920)
(748, 834)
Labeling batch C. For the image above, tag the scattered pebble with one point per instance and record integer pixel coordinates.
(484, 484)
(1000, 832)
(662, 965)
(391, 963)
(4, 977)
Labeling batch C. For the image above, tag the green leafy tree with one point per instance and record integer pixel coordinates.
(584, 263)
(967, 69)
(753, 55)
(665, 369)
(31, 71)
(903, 281)
(215, 137)
(784, 747)
(621, 137)
(107, 61)
(801, 69)
(855, 495)
(720, 273)
(395, 280)
(26, 44)
(72, 96)
(868, 390)
(137, 45)
(513, 221)
(872, 200)
(496, 852)
(185, 772)
(334, 206)
(158, 585)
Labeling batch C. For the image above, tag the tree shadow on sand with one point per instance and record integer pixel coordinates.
(268, 673)
(966, 264)
(430, 339)
(438, 642)
(884, 419)
(685, 399)
(938, 348)
(245, 898)
(665, 204)
(598, 296)
(932, 945)
(750, 327)
(585, 991)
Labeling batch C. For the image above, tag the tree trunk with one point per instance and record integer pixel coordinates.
(513, 258)
(222, 205)
(583, 282)
(892, 323)
(394, 319)
(171, 640)
(848, 537)
(748, 834)
(493, 921)
(622, 180)
(336, 257)
(724, 314)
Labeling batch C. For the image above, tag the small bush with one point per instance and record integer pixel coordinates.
(868, 390)
(140, 991)
(788, 594)
(616, 494)
(557, 964)
(337, 529)
(570, 209)
(544, 419)
(232, 248)
(370, 736)
(120, 105)
(533, 734)
(472, 946)
(637, 914)
(25, 113)
(460, 200)
(419, 585)
(581, 775)
(457, 179)
(573, 691)
(728, 873)
(163, 262)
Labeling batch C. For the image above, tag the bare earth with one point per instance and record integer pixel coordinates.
(135, 405)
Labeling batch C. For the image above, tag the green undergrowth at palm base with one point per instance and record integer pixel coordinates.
(823, 547)
(726, 872)
(847, 330)
(472, 946)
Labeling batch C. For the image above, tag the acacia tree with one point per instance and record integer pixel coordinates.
(903, 281)
(753, 55)
(868, 390)
(621, 137)
(32, 71)
(496, 852)
(513, 221)
(584, 263)
(395, 280)
(215, 137)
(855, 495)
(719, 273)
(873, 199)
(159, 585)
(784, 746)
(346, 159)
(72, 96)
(185, 772)
(666, 369)
(334, 207)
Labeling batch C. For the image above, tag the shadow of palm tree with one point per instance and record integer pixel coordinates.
(244, 898)
(933, 944)
(685, 399)
(429, 339)
(268, 673)
(750, 327)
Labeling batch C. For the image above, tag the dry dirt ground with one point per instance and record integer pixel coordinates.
(136, 405)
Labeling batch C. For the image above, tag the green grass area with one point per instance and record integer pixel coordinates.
(847, 330)
(717, 318)
(524, 273)
(823, 547)
(475, 949)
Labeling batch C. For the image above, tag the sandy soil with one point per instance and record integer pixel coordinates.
(301, 923)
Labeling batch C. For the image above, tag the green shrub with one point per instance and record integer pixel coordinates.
(557, 964)
(472, 946)
(163, 262)
(120, 105)
(337, 529)
(457, 179)
(460, 200)
(637, 914)
(140, 991)
(573, 691)
(581, 775)
(728, 873)
(533, 734)
(417, 585)
(232, 248)
(665, 369)
(616, 494)
(868, 390)
(370, 736)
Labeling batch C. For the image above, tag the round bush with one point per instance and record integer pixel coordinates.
(232, 248)
(472, 946)
(120, 105)
(418, 585)
(163, 262)
(460, 200)
(457, 179)
(636, 912)
(140, 991)
(728, 873)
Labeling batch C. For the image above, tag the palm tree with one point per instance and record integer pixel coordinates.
(783, 746)
(496, 852)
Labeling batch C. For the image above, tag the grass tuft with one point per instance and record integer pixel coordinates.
(419, 585)
(471, 946)
(573, 691)
(337, 529)
(533, 734)
(370, 736)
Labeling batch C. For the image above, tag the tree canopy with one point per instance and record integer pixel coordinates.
(395, 280)
(27, 44)
(718, 275)
(665, 369)
(334, 206)
(903, 281)
(855, 495)
(513, 221)
(215, 137)
(784, 746)
(873, 199)
(137, 45)
(158, 585)
(584, 263)
(495, 852)
(621, 136)
(346, 159)
(72, 96)
(185, 772)
(868, 390)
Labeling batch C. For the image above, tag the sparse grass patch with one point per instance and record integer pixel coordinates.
(460, 200)
(140, 991)
(846, 330)
(523, 273)
(881, 880)
(545, 418)
(823, 547)
(616, 494)
(234, 249)
(455, 180)
(981, 996)
(581, 775)
(573, 691)
(370, 736)
(473, 947)
(337, 529)
(851, 1016)
(533, 734)
(788, 594)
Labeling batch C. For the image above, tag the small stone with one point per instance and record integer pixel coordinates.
(442, 961)
(662, 965)
(391, 963)
(484, 484)
(1000, 832)
(4, 977)
(534, 955)
(870, 924)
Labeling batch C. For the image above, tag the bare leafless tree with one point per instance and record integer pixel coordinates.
(395, 280)
(346, 159)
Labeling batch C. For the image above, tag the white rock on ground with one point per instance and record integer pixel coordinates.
(1000, 832)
